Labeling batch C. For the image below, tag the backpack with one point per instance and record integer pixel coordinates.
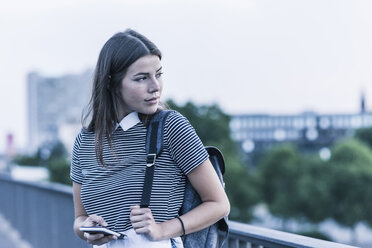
(207, 237)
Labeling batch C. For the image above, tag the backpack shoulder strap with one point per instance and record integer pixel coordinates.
(154, 146)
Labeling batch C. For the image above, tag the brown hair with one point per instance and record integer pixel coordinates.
(117, 54)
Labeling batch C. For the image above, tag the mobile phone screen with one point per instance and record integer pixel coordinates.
(100, 229)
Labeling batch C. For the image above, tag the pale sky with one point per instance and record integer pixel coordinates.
(249, 56)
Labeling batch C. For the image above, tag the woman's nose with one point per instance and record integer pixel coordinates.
(154, 85)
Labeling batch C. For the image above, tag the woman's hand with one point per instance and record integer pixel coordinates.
(143, 223)
(99, 238)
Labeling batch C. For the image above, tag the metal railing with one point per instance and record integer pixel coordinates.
(248, 236)
(43, 214)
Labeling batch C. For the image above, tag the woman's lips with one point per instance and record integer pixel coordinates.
(152, 100)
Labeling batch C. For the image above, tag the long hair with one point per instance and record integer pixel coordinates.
(117, 54)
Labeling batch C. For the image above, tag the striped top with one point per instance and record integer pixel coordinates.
(109, 192)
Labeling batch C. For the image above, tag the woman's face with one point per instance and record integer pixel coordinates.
(141, 86)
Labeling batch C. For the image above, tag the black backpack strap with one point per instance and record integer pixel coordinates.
(154, 146)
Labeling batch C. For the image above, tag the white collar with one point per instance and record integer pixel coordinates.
(128, 121)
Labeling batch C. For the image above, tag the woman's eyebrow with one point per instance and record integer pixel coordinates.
(146, 73)
(141, 74)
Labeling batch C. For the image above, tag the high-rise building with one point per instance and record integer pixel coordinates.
(55, 106)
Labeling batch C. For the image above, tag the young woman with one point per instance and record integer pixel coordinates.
(109, 159)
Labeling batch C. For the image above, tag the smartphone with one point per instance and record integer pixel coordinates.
(101, 229)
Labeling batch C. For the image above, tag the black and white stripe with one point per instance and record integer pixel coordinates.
(109, 192)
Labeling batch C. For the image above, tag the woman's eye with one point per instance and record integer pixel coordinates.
(158, 75)
(140, 79)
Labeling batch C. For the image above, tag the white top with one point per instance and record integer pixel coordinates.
(134, 240)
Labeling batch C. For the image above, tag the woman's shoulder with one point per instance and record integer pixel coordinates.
(83, 134)
(175, 116)
(176, 123)
(82, 137)
(175, 119)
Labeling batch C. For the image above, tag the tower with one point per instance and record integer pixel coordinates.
(362, 102)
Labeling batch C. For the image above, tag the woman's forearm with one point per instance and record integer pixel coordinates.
(200, 217)
(215, 204)
(77, 224)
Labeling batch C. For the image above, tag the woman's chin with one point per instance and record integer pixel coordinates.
(149, 111)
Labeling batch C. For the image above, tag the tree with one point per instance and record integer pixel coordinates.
(210, 122)
(212, 126)
(295, 185)
(29, 160)
(302, 186)
(55, 157)
(243, 193)
(58, 164)
(350, 183)
(313, 195)
(58, 150)
(365, 135)
(279, 173)
(59, 169)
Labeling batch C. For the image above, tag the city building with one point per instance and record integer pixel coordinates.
(54, 107)
(308, 130)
